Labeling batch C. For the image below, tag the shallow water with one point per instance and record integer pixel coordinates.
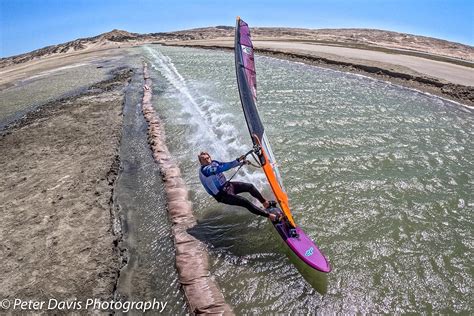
(139, 195)
(32, 92)
(380, 176)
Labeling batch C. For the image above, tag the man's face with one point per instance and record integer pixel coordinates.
(205, 159)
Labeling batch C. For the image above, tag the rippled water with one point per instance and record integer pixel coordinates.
(380, 176)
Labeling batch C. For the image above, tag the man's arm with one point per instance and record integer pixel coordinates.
(217, 167)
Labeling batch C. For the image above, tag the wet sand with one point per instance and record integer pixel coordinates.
(452, 80)
(59, 165)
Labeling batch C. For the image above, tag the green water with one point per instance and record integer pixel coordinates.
(381, 177)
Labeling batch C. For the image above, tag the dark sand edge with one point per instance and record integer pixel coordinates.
(453, 92)
(59, 231)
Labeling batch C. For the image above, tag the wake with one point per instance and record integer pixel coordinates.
(212, 128)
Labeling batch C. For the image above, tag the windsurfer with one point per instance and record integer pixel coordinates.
(216, 184)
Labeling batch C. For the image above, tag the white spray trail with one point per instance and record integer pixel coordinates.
(212, 128)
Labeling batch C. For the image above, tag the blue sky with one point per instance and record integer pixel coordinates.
(26, 25)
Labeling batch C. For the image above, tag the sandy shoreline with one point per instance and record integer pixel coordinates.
(59, 166)
(392, 72)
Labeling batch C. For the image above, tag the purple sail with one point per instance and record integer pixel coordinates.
(293, 236)
(248, 57)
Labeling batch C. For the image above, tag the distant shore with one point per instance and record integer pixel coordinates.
(431, 65)
(395, 73)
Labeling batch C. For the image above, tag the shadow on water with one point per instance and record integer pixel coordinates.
(235, 236)
(238, 233)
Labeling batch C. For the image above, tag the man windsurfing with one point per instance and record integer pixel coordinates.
(216, 184)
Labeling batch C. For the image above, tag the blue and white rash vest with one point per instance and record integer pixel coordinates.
(212, 177)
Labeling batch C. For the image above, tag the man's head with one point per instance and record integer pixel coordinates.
(204, 158)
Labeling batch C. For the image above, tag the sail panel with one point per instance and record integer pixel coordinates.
(272, 161)
(248, 61)
(246, 80)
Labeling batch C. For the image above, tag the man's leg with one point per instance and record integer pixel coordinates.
(232, 199)
(240, 187)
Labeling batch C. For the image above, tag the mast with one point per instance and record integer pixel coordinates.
(247, 84)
